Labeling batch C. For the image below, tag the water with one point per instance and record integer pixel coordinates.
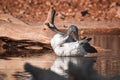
(106, 64)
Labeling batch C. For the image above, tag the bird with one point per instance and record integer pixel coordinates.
(61, 37)
(78, 48)
(64, 44)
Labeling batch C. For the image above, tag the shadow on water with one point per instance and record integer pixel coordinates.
(106, 66)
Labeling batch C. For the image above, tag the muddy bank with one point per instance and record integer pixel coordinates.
(88, 27)
(95, 27)
(42, 33)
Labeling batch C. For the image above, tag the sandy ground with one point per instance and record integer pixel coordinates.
(77, 10)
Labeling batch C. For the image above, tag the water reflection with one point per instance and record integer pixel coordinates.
(111, 42)
(108, 65)
(86, 68)
(61, 64)
(68, 68)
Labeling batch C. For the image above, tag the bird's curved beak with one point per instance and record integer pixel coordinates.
(76, 35)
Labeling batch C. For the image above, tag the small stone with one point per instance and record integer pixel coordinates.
(70, 10)
(118, 13)
(113, 4)
(48, 3)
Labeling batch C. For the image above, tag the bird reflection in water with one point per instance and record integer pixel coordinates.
(68, 68)
(76, 68)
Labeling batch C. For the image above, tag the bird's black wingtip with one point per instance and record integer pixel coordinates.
(93, 50)
(90, 49)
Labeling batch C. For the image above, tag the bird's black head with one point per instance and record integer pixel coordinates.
(73, 29)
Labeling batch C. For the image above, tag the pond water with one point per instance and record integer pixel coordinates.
(106, 64)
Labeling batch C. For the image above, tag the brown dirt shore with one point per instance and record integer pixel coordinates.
(78, 10)
(91, 16)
